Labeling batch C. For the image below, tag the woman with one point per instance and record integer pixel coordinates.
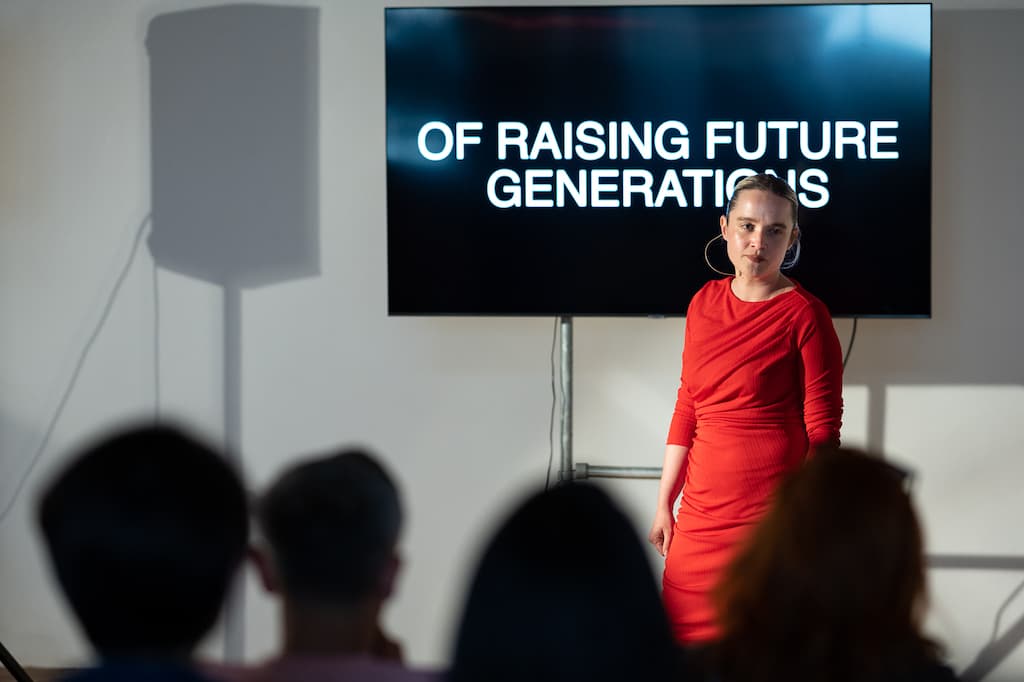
(564, 593)
(761, 388)
(831, 584)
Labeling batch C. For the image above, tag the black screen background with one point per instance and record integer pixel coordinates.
(866, 253)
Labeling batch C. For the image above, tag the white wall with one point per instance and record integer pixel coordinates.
(458, 407)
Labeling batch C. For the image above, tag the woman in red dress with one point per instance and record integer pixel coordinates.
(761, 387)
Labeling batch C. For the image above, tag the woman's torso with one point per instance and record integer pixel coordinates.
(742, 367)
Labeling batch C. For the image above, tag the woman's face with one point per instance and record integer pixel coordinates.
(758, 232)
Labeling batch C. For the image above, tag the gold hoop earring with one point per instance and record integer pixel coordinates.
(708, 260)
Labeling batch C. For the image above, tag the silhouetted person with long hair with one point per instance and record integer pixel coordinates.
(564, 593)
(145, 529)
(830, 587)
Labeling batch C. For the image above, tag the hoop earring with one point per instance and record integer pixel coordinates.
(708, 260)
(792, 256)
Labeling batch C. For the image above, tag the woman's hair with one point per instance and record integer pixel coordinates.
(767, 183)
(564, 592)
(780, 188)
(831, 584)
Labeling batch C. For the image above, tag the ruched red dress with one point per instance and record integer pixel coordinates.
(761, 385)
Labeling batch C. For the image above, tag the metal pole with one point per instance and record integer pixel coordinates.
(565, 471)
(583, 470)
(234, 608)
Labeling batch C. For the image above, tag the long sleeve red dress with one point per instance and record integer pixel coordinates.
(761, 387)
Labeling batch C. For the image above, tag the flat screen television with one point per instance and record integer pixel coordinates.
(575, 160)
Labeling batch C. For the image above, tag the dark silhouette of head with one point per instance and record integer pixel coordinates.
(564, 592)
(834, 577)
(145, 529)
(332, 525)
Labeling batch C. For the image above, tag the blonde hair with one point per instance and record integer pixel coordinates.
(767, 183)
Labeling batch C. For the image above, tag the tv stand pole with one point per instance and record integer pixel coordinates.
(565, 471)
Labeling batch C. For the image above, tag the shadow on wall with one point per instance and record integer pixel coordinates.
(234, 112)
(234, 106)
(999, 648)
(234, 109)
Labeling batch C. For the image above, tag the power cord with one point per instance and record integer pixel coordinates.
(77, 371)
(849, 346)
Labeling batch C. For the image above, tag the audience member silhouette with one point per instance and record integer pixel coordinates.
(145, 529)
(830, 586)
(563, 593)
(330, 530)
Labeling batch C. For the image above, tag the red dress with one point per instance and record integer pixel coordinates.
(761, 385)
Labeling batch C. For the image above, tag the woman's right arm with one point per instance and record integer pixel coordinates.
(668, 490)
(680, 438)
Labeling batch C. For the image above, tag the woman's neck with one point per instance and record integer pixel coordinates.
(753, 290)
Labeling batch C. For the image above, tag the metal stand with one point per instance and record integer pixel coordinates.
(234, 608)
(565, 472)
(568, 471)
(584, 470)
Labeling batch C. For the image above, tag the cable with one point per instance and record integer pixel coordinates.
(77, 371)
(849, 346)
(554, 400)
(999, 613)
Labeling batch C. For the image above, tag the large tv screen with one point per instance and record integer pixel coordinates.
(575, 160)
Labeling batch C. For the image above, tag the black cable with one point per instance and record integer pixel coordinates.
(999, 613)
(78, 370)
(849, 346)
(554, 399)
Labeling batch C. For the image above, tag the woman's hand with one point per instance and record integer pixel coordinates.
(668, 490)
(661, 531)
